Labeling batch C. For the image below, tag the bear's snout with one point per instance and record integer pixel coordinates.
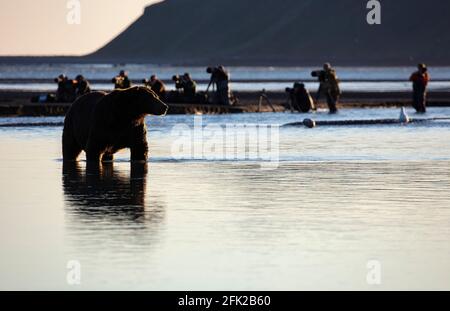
(162, 108)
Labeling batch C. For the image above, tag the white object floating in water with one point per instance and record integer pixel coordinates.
(404, 118)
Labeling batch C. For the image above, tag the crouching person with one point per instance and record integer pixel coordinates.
(300, 98)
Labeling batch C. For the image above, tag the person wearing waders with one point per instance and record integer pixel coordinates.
(221, 78)
(420, 80)
(329, 86)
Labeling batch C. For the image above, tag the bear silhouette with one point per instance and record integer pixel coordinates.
(101, 124)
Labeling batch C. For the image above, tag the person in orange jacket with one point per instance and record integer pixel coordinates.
(420, 80)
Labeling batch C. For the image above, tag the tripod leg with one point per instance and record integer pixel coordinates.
(270, 104)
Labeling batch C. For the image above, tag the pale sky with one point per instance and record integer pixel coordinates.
(40, 27)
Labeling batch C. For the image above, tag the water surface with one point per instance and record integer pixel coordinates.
(339, 197)
(20, 77)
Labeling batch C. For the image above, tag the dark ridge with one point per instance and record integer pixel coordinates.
(287, 32)
(281, 32)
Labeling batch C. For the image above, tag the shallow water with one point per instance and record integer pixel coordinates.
(336, 198)
(361, 79)
(255, 86)
(141, 71)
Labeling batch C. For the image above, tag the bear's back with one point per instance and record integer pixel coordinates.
(78, 118)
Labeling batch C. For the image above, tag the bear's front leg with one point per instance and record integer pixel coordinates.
(107, 157)
(93, 156)
(138, 144)
(71, 149)
(93, 151)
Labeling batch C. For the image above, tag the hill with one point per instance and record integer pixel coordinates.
(284, 32)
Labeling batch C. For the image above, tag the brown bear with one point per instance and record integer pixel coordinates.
(102, 124)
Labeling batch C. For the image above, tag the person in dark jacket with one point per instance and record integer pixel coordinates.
(187, 84)
(121, 81)
(157, 86)
(81, 86)
(301, 98)
(66, 89)
(420, 80)
(220, 78)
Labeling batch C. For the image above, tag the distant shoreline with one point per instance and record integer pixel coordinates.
(17, 103)
(21, 60)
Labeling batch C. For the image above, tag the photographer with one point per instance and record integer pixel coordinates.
(81, 86)
(420, 80)
(221, 78)
(186, 83)
(66, 92)
(157, 86)
(300, 98)
(121, 81)
(329, 86)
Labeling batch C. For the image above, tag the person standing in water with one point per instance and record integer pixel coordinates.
(221, 78)
(420, 80)
(329, 86)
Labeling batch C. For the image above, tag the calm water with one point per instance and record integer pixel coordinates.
(339, 197)
(361, 79)
(442, 86)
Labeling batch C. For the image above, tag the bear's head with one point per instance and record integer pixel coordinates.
(137, 101)
(148, 102)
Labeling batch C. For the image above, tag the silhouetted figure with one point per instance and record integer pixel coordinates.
(157, 86)
(186, 83)
(220, 78)
(301, 98)
(121, 81)
(82, 86)
(66, 92)
(420, 80)
(101, 124)
(329, 86)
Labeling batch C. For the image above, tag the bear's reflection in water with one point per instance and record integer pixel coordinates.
(102, 193)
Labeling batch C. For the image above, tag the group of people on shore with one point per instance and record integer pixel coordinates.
(186, 88)
(69, 90)
(302, 101)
